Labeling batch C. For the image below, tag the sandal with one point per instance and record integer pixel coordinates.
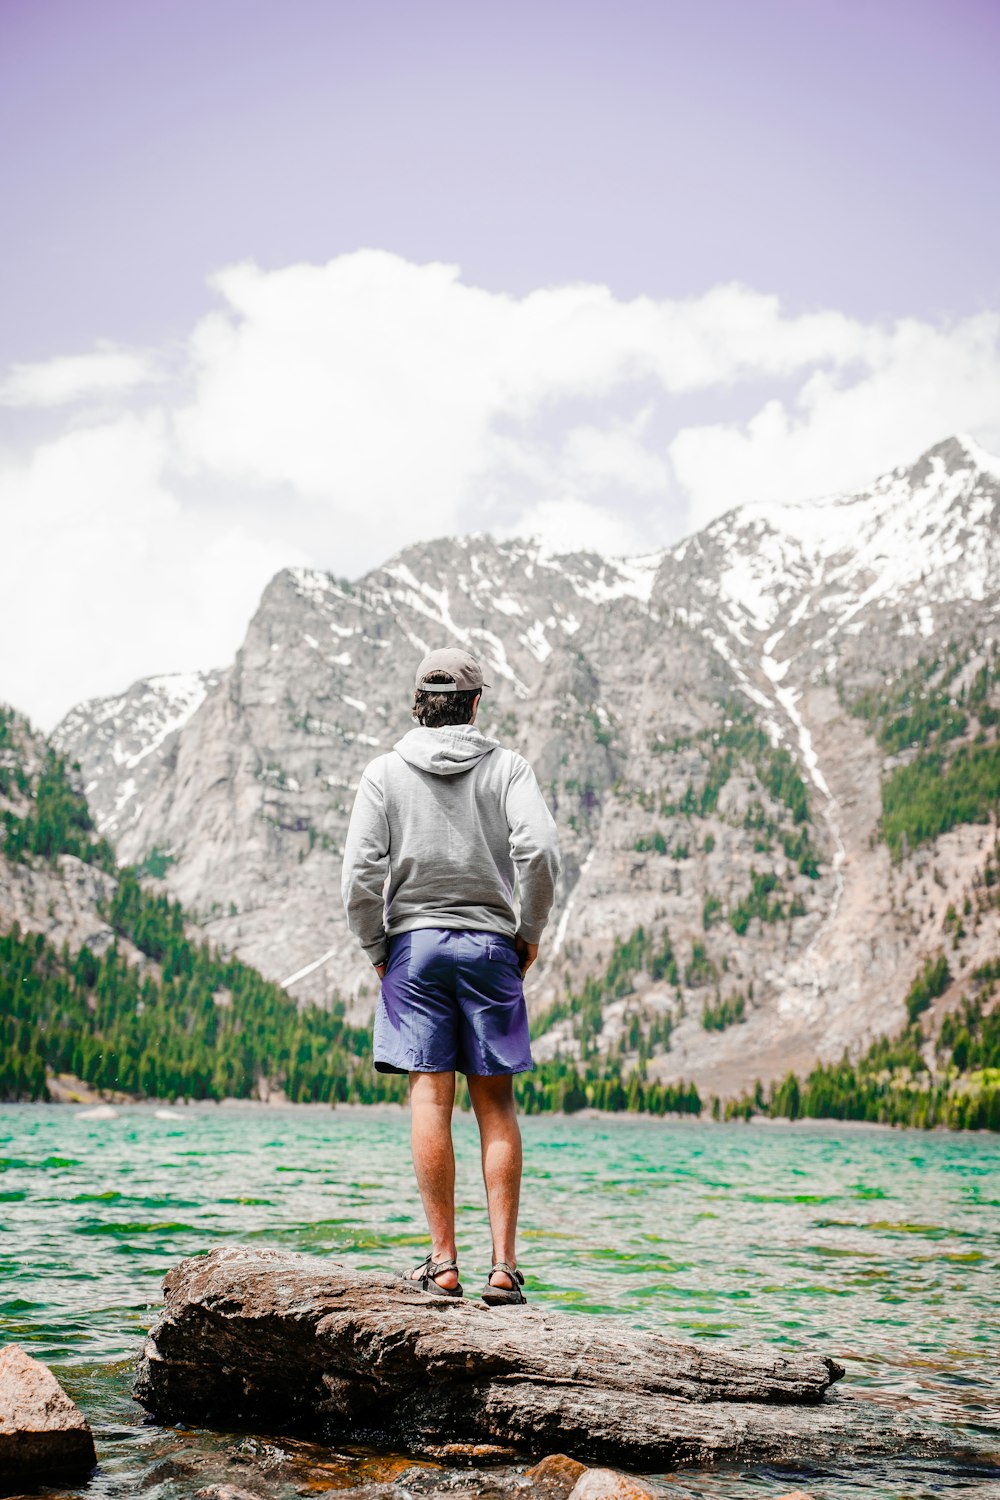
(498, 1296)
(429, 1269)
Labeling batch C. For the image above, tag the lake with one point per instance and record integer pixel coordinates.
(879, 1247)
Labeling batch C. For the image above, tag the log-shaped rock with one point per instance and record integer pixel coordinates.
(266, 1337)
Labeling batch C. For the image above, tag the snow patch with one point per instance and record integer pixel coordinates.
(315, 585)
(126, 792)
(496, 657)
(559, 938)
(317, 963)
(536, 642)
(630, 577)
(788, 698)
(743, 681)
(775, 670)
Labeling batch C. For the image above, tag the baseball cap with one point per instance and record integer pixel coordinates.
(465, 671)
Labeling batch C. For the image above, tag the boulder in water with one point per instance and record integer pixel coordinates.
(608, 1484)
(556, 1475)
(43, 1434)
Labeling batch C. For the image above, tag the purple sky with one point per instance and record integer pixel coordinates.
(837, 152)
(710, 253)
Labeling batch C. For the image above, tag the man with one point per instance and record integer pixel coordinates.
(440, 826)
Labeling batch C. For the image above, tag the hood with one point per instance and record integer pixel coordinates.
(446, 752)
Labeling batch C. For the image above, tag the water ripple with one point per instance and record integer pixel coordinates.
(878, 1247)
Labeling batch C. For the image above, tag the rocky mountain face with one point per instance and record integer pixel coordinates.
(124, 741)
(718, 729)
(58, 896)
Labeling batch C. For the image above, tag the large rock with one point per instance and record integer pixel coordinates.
(43, 1434)
(252, 1335)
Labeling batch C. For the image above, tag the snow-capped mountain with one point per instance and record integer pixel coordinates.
(693, 717)
(125, 741)
(826, 569)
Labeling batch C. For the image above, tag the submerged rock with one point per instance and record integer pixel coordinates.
(264, 1336)
(556, 1474)
(470, 1452)
(43, 1434)
(608, 1484)
(225, 1492)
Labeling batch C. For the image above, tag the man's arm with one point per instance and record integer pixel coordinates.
(534, 848)
(366, 864)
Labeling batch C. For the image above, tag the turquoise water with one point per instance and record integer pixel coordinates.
(881, 1248)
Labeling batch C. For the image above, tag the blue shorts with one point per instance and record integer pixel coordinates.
(452, 1001)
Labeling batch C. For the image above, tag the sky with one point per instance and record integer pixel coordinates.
(300, 282)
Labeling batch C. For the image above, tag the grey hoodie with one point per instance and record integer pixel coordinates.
(449, 816)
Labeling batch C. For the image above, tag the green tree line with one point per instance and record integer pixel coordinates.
(206, 1026)
(891, 1083)
(209, 1028)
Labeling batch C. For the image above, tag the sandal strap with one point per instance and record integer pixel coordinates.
(431, 1268)
(508, 1270)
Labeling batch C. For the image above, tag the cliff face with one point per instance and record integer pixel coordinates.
(125, 740)
(715, 726)
(59, 892)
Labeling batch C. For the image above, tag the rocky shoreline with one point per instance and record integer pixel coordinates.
(270, 1374)
(92, 1099)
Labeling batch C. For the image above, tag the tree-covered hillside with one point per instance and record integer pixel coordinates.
(893, 1085)
(191, 1022)
(939, 733)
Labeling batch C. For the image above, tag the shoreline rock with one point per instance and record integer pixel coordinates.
(43, 1434)
(299, 1342)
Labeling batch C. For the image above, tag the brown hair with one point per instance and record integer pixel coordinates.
(436, 710)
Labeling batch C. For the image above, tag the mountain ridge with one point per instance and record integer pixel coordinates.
(617, 677)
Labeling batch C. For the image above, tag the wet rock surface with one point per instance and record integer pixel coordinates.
(609, 1484)
(262, 1336)
(43, 1434)
(556, 1475)
(225, 1492)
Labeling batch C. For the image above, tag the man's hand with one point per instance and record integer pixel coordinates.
(526, 952)
(379, 970)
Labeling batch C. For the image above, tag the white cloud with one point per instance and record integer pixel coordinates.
(377, 386)
(923, 384)
(331, 414)
(619, 454)
(600, 469)
(74, 377)
(570, 525)
(105, 576)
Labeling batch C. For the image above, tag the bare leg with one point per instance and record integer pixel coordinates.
(432, 1098)
(500, 1135)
